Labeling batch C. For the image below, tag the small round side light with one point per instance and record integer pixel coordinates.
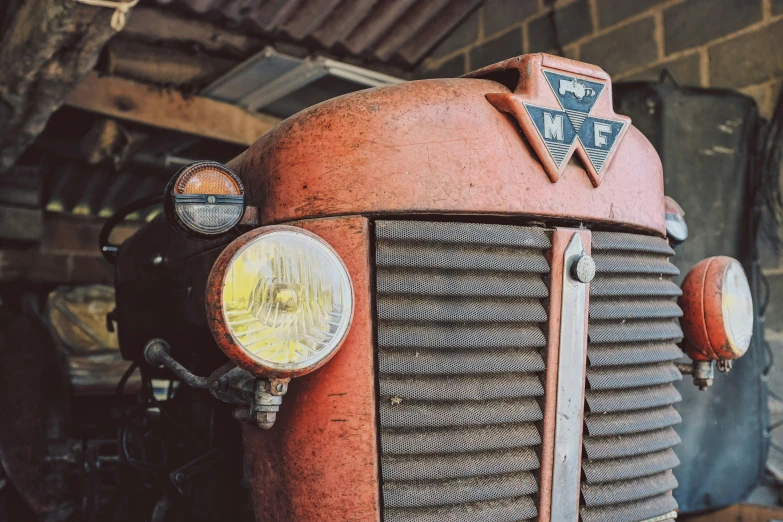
(717, 310)
(204, 200)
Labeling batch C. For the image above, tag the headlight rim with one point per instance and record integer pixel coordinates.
(214, 305)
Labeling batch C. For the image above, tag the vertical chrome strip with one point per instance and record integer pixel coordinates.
(570, 391)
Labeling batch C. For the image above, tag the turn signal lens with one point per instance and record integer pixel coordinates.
(717, 310)
(205, 199)
(285, 299)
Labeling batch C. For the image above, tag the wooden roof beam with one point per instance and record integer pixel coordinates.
(168, 109)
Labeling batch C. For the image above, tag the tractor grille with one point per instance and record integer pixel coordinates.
(461, 329)
(461, 337)
(633, 330)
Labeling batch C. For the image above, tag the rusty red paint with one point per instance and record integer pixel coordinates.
(437, 147)
(555, 256)
(214, 307)
(320, 461)
(702, 306)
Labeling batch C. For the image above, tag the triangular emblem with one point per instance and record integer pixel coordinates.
(577, 96)
(564, 108)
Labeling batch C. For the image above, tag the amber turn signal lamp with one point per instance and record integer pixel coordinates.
(204, 199)
(717, 310)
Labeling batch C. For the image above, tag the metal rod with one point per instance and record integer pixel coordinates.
(158, 353)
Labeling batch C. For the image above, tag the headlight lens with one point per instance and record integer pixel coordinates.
(286, 300)
(737, 307)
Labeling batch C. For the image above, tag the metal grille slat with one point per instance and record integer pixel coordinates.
(501, 259)
(631, 511)
(456, 336)
(457, 491)
(450, 362)
(408, 414)
(622, 377)
(456, 440)
(463, 234)
(637, 353)
(609, 401)
(623, 332)
(461, 388)
(632, 336)
(520, 509)
(629, 445)
(598, 471)
(397, 308)
(638, 264)
(461, 324)
(628, 490)
(446, 466)
(619, 241)
(639, 308)
(624, 286)
(603, 424)
(392, 281)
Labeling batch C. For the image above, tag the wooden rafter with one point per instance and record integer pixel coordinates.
(168, 109)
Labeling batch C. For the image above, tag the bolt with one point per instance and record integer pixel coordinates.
(265, 419)
(179, 477)
(583, 270)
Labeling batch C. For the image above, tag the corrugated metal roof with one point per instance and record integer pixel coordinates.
(400, 32)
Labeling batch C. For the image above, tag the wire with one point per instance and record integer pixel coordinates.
(108, 250)
(125, 377)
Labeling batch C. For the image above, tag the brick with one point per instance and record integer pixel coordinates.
(451, 68)
(505, 46)
(541, 35)
(573, 21)
(697, 22)
(465, 34)
(501, 14)
(623, 49)
(611, 12)
(685, 71)
(748, 59)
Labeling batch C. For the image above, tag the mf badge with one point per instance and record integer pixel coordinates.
(565, 111)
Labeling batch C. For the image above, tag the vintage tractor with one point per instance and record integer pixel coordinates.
(445, 300)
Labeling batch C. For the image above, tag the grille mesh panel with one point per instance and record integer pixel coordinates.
(632, 336)
(461, 322)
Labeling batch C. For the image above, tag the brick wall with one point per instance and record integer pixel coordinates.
(736, 44)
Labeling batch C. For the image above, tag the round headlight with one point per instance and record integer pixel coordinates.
(280, 301)
(204, 199)
(717, 310)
